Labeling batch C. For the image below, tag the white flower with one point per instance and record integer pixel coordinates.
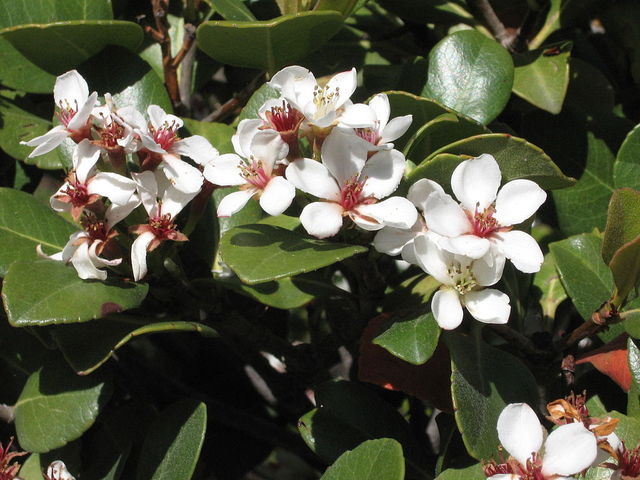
(350, 185)
(462, 280)
(319, 105)
(85, 185)
(371, 123)
(568, 450)
(58, 471)
(163, 202)
(484, 218)
(256, 174)
(71, 94)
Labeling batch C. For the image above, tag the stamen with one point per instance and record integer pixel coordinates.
(255, 174)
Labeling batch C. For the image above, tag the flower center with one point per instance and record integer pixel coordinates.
(67, 112)
(77, 193)
(483, 223)
(351, 194)
(255, 174)
(531, 471)
(629, 461)
(463, 279)
(97, 229)
(369, 134)
(165, 136)
(325, 100)
(111, 133)
(162, 226)
(284, 118)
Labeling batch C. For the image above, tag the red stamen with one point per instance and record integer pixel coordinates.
(165, 136)
(369, 134)
(284, 119)
(351, 194)
(255, 174)
(483, 224)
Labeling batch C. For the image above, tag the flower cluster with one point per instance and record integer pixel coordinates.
(103, 188)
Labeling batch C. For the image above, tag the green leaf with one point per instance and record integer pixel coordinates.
(259, 97)
(440, 132)
(349, 414)
(625, 266)
(628, 428)
(58, 47)
(173, 443)
(426, 11)
(45, 11)
(218, 134)
(268, 45)
(552, 293)
(260, 253)
(37, 463)
(632, 318)
(345, 7)
(87, 346)
(634, 360)
(19, 125)
(541, 76)
(623, 221)
(372, 460)
(483, 381)
(411, 337)
(75, 400)
(233, 10)
(516, 157)
(20, 74)
(562, 14)
(626, 170)
(586, 278)
(25, 223)
(471, 74)
(45, 292)
(473, 472)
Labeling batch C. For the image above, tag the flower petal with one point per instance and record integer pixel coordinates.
(81, 117)
(396, 128)
(115, 213)
(392, 240)
(314, 178)
(268, 147)
(343, 84)
(47, 142)
(225, 170)
(393, 212)
(488, 269)
(359, 115)
(475, 182)
(420, 191)
(467, 245)
(247, 129)
(522, 249)
(197, 148)
(58, 471)
(432, 259)
(148, 190)
(517, 200)
(382, 173)
(445, 216)
(519, 431)
(380, 105)
(234, 202)
(116, 188)
(84, 158)
(569, 449)
(182, 176)
(488, 305)
(139, 255)
(277, 196)
(71, 88)
(446, 308)
(322, 219)
(81, 261)
(344, 155)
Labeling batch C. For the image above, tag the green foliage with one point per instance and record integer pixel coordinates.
(372, 460)
(412, 337)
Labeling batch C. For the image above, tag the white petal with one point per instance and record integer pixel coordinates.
(488, 305)
(344, 84)
(488, 269)
(58, 471)
(277, 196)
(569, 449)
(72, 245)
(396, 128)
(150, 144)
(344, 155)
(268, 147)
(467, 245)
(475, 182)
(432, 259)
(84, 158)
(444, 216)
(139, 255)
(392, 240)
(81, 261)
(359, 115)
(47, 142)
(101, 262)
(420, 191)
(58, 205)
(522, 249)
(322, 219)
(71, 87)
(314, 178)
(446, 308)
(173, 201)
(115, 213)
(148, 190)
(116, 188)
(393, 212)
(380, 105)
(408, 253)
(182, 176)
(133, 118)
(506, 476)
(79, 120)
(382, 173)
(197, 148)
(241, 141)
(157, 116)
(225, 170)
(518, 200)
(519, 431)
(234, 202)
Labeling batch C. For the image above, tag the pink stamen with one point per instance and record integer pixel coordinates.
(66, 113)
(165, 136)
(629, 461)
(162, 226)
(78, 194)
(531, 471)
(351, 194)
(255, 174)
(369, 134)
(483, 224)
(285, 118)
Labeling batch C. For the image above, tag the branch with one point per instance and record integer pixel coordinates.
(496, 26)
(235, 103)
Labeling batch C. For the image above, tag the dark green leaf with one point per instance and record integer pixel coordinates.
(552, 293)
(516, 157)
(260, 253)
(45, 292)
(75, 400)
(345, 7)
(87, 346)
(561, 14)
(58, 47)
(470, 473)
(626, 170)
(37, 463)
(634, 360)
(259, 97)
(218, 134)
(26, 223)
(268, 44)
(20, 74)
(173, 442)
(425, 11)
(623, 221)
(542, 76)
(632, 318)
(484, 380)
(411, 337)
(45, 11)
(625, 266)
(372, 460)
(586, 278)
(471, 74)
(233, 10)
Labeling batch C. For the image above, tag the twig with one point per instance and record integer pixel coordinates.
(522, 342)
(496, 26)
(235, 103)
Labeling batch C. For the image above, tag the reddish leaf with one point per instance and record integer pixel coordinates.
(611, 359)
(430, 381)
